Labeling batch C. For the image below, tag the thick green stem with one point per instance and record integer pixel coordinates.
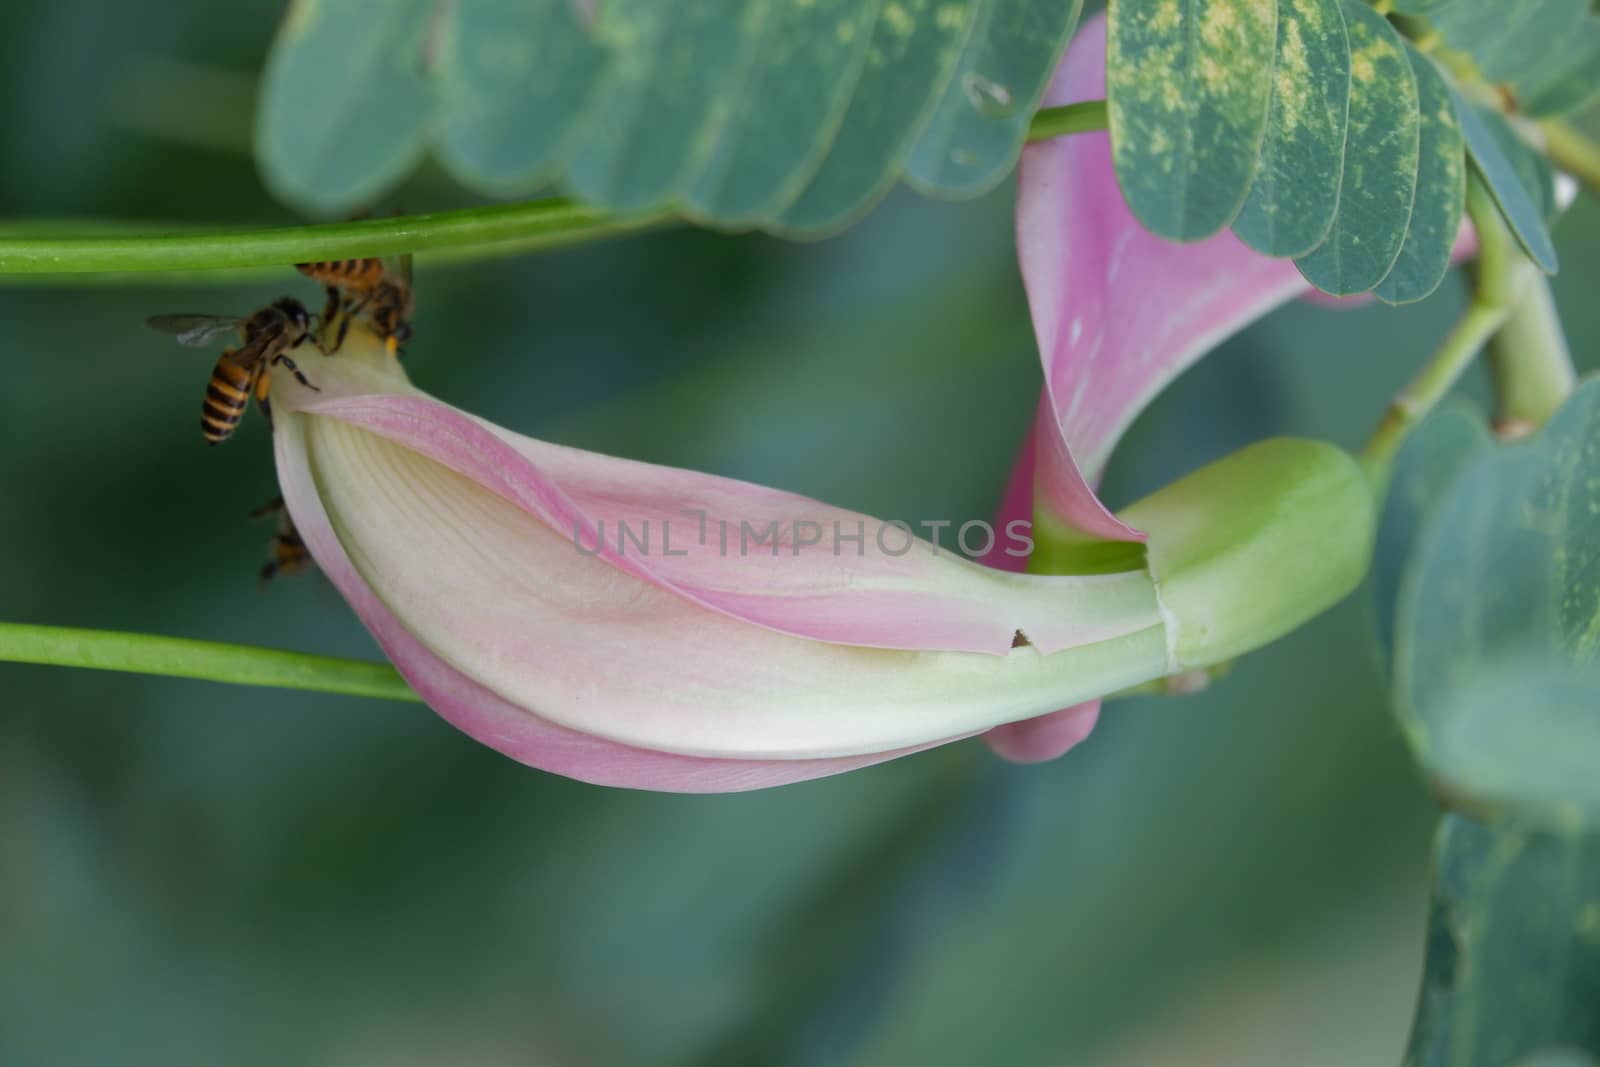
(1085, 117)
(208, 660)
(1573, 152)
(29, 256)
(490, 231)
(1531, 363)
(1501, 273)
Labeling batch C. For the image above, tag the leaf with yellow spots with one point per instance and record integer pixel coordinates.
(1497, 632)
(1441, 191)
(1512, 974)
(1292, 204)
(1187, 87)
(1382, 150)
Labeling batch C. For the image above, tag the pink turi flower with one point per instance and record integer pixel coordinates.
(493, 569)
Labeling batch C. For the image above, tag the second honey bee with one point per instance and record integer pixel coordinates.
(366, 287)
(286, 551)
(268, 336)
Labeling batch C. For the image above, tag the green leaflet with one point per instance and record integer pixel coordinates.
(1425, 470)
(1528, 30)
(1381, 158)
(1547, 51)
(1506, 165)
(975, 133)
(794, 115)
(344, 104)
(513, 77)
(807, 60)
(914, 47)
(1421, 7)
(657, 105)
(1570, 76)
(1295, 195)
(1441, 191)
(1497, 634)
(1512, 974)
(1187, 85)
(1533, 170)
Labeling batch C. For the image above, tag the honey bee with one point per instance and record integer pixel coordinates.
(286, 550)
(245, 371)
(366, 286)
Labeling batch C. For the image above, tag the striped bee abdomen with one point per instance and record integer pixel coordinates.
(356, 275)
(227, 395)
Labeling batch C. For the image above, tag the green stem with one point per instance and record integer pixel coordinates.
(493, 230)
(1530, 362)
(1573, 152)
(1501, 271)
(27, 255)
(1085, 117)
(208, 660)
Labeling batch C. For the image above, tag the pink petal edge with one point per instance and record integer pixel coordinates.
(520, 734)
(917, 601)
(1047, 736)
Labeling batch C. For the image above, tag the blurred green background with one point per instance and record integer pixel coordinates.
(197, 874)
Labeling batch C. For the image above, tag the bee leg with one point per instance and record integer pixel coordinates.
(295, 370)
(330, 311)
(268, 572)
(271, 507)
(351, 310)
(262, 387)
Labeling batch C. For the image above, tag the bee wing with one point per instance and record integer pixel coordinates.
(405, 268)
(196, 331)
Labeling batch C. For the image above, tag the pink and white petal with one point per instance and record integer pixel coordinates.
(488, 718)
(1118, 312)
(509, 603)
(1048, 736)
(760, 555)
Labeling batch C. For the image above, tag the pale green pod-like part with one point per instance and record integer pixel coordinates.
(1253, 545)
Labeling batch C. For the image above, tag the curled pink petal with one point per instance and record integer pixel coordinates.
(446, 535)
(761, 555)
(1118, 312)
(1045, 738)
(515, 731)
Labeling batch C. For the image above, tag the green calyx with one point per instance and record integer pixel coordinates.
(1248, 548)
